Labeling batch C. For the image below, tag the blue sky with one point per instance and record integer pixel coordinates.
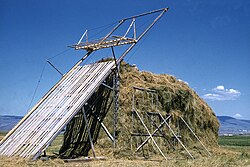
(204, 43)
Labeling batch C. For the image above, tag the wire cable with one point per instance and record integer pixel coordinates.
(37, 85)
(106, 25)
(60, 53)
(92, 36)
(137, 48)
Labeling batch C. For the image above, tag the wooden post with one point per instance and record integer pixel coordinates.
(89, 134)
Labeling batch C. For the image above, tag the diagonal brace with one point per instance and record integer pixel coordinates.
(150, 134)
(176, 136)
(158, 128)
(196, 136)
(161, 132)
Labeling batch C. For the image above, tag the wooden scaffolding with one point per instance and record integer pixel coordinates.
(34, 133)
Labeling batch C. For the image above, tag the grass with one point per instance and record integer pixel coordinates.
(2, 134)
(232, 151)
(55, 145)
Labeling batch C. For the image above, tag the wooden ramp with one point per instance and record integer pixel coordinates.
(37, 130)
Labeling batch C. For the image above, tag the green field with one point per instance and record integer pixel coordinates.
(232, 151)
(238, 140)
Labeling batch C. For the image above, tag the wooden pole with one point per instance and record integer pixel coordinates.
(149, 27)
(147, 13)
(113, 30)
(89, 134)
(195, 136)
(105, 129)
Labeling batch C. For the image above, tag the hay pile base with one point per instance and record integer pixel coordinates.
(174, 97)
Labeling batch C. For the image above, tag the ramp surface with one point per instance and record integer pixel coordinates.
(41, 127)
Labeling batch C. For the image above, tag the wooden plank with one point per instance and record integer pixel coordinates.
(44, 97)
(76, 107)
(39, 129)
(68, 112)
(85, 159)
(75, 111)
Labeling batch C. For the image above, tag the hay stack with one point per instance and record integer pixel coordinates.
(174, 97)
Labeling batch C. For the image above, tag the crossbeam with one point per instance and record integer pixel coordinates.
(161, 132)
(107, 43)
(144, 134)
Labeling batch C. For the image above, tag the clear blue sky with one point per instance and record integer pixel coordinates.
(205, 43)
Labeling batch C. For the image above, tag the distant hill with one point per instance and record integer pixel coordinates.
(7, 122)
(230, 125)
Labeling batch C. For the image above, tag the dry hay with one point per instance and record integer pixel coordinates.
(174, 97)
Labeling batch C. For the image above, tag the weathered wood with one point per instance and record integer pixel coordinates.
(144, 89)
(85, 159)
(83, 98)
(105, 129)
(45, 96)
(38, 130)
(60, 104)
(144, 134)
(89, 134)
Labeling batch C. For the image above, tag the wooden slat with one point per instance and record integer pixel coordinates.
(38, 130)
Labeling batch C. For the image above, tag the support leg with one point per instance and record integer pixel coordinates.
(89, 134)
(116, 105)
